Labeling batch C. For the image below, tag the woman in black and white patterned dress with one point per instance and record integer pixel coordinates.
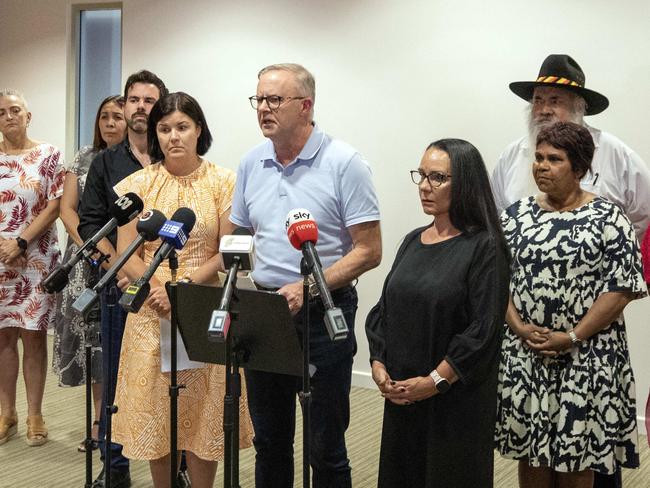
(69, 358)
(566, 405)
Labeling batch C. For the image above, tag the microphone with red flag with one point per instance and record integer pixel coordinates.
(302, 232)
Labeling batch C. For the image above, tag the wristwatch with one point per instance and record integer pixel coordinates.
(22, 244)
(442, 385)
(574, 338)
(314, 292)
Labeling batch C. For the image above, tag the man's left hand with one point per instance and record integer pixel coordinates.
(293, 293)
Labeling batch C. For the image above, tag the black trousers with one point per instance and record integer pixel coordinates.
(608, 480)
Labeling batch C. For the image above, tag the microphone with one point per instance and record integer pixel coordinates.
(238, 255)
(148, 227)
(122, 211)
(174, 234)
(302, 232)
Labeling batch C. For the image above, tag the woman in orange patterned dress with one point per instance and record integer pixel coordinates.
(31, 184)
(178, 136)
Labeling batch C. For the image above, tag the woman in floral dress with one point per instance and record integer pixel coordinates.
(31, 184)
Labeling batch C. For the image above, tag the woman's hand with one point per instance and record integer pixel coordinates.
(413, 390)
(9, 251)
(532, 334)
(381, 377)
(386, 385)
(159, 301)
(555, 343)
(123, 282)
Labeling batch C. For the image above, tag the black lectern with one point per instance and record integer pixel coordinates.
(263, 338)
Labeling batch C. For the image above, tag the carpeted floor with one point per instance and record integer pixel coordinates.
(57, 464)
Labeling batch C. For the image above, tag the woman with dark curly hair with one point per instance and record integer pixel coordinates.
(566, 389)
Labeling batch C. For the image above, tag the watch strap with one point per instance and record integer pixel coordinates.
(22, 243)
(574, 338)
(442, 384)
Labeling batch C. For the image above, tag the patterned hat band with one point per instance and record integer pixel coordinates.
(557, 80)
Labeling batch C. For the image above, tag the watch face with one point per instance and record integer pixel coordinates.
(314, 292)
(442, 386)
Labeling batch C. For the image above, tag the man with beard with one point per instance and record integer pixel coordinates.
(558, 95)
(141, 91)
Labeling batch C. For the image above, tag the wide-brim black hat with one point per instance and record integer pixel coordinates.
(561, 71)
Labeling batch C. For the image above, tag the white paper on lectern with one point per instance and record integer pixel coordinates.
(182, 360)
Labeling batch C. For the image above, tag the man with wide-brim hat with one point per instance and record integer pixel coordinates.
(558, 94)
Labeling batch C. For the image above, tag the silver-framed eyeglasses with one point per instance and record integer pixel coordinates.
(272, 101)
(435, 178)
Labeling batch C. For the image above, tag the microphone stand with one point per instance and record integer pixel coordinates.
(305, 394)
(221, 329)
(88, 351)
(231, 402)
(174, 387)
(111, 301)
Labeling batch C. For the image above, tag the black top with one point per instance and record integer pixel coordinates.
(108, 168)
(442, 301)
(446, 296)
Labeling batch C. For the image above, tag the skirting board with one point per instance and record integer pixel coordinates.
(363, 379)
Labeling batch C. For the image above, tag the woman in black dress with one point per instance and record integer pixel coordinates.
(436, 331)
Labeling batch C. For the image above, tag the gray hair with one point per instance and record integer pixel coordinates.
(577, 114)
(579, 107)
(306, 82)
(10, 92)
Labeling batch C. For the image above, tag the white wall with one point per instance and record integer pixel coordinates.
(391, 77)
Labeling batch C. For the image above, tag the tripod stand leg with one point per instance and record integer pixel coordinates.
(305, 394)
(89, 415)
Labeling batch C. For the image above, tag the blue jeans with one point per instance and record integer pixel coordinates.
(114, 320)
(272, 404)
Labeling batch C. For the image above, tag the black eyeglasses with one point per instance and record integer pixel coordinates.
(435, 178)
(272, 101)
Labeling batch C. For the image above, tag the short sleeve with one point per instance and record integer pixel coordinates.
(622, 268)
(54, 174)
(226, 189)
(497, 184)
(132, 183)
(81, 162)
(637, 192)
(358, 196)
(645, 255)
(239, 210)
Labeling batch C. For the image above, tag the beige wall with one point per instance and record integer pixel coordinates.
(391, 77)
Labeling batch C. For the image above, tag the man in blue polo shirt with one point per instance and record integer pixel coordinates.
(298, 166)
